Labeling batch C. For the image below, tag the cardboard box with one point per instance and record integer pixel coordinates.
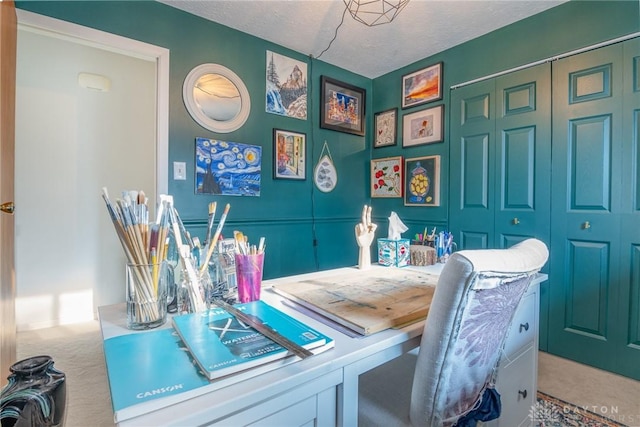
(393, 252)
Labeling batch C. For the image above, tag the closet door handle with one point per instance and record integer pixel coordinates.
(523, 393)
(524, 326)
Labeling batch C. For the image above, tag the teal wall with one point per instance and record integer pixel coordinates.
(288, 213)
(291, 214)
(562, 29)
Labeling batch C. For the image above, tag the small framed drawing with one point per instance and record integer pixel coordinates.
(386, 128)
(289, 155)
(423, 127)
(342, 106)
(422, 181)
(386, 177)
(422, 86)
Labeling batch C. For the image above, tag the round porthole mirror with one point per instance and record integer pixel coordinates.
(216, 98)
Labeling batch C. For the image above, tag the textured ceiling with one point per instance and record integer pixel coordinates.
(423, 28)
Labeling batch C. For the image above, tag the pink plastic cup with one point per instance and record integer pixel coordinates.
(249, 276)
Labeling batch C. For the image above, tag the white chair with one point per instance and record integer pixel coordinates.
(451, 377)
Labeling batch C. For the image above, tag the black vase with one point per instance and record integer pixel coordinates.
(35, 395)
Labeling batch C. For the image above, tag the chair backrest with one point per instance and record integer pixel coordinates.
(473, 305)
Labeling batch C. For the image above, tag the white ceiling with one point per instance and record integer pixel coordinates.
(423, 28)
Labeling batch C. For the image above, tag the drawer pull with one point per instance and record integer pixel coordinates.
(524, 326)
(523, 393)
(586, 225)
(515, 221)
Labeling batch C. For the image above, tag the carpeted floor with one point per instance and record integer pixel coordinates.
(550, 411)
(76, 351)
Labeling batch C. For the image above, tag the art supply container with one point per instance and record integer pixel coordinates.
(146, 295)
(249, 276)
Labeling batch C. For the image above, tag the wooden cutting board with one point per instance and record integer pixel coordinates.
(366, 301)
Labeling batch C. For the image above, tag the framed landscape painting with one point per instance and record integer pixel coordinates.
(422, 181)
(386, 177)
(342, 106)
(422, 86)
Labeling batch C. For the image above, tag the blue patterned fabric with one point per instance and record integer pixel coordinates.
(488, 409)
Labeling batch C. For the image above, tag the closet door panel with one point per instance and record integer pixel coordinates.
(629, 298)
(523, 155)
(586, 206)
(471, 214)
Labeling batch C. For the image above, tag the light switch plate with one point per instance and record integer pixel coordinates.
(179, 171)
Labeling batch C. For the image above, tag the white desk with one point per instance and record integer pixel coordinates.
(321, 390)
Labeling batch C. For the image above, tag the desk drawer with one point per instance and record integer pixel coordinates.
(516, 385)
(523, 328)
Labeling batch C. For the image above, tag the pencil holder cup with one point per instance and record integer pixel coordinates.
(249, 276)
(146, 295)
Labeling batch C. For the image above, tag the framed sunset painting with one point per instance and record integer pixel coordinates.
(422, 86)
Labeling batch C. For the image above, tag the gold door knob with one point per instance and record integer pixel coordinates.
(586, 225)
(515, 221)
(8, 207)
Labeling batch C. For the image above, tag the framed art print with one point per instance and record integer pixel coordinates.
(423, 127)
(289, 155)
(422, 181)
(422, 86)
(386, 177)
(342, 106)
(386, 128)
(227, 168)
(286, 83)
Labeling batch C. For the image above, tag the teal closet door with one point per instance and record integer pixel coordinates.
(500, 160)
(472, 146)
(523, 156)
(628, 323)
(523, 166)
(587, 190)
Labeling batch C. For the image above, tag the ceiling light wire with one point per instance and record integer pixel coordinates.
(336, 32)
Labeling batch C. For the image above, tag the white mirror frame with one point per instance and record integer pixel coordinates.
(195, 111)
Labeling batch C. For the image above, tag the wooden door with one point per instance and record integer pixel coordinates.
(8, 36)
(587, 193)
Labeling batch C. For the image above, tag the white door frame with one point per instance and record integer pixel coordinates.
(88, 36)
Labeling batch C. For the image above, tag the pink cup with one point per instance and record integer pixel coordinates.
(249, 276)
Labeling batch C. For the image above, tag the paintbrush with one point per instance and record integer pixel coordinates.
(214, 241)
(212, 214)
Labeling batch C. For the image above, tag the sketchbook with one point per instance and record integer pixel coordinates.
(222, 345)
